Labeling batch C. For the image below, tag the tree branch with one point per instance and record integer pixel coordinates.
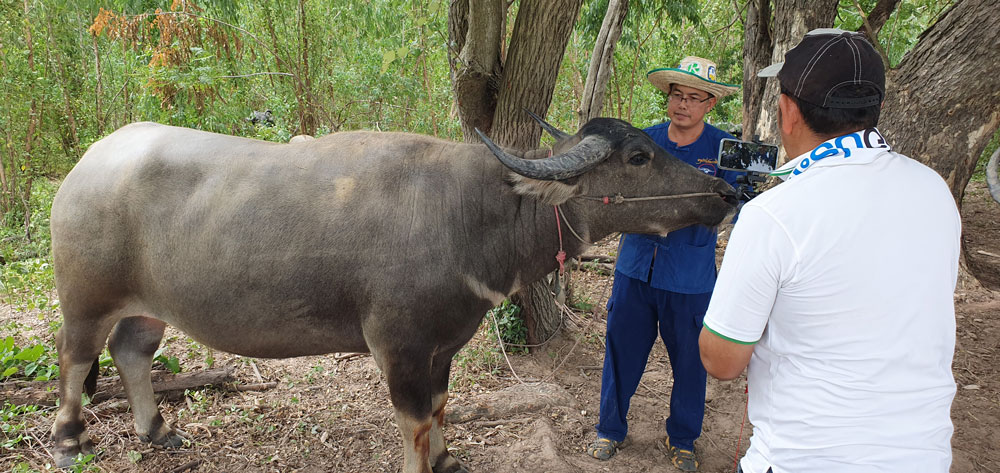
(602, 61)
(872, 35)
(237, 28)
(880, 14)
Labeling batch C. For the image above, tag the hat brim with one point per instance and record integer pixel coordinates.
(662, 78)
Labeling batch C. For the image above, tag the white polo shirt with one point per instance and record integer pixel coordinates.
(843, 277)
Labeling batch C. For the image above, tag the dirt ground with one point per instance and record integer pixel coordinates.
(329, 414)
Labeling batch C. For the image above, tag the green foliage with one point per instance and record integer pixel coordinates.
(27, 279)
(979, 174)
(901, 32)
(84, 463)
(478, 361)
(656, 34)
(511, 329)
(582, 302)
(36, 362)
(172, 363)
(12, 427)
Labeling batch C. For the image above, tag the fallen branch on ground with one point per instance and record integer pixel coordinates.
(191, 465)
(602, 268)
(45, 393)
(255, 387)
(348, 356)
(597, 258)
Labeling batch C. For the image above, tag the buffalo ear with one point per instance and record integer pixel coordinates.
(546, 192)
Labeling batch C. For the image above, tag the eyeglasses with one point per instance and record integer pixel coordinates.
(678, 99)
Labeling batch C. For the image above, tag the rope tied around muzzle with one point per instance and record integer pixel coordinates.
(608, 200)
(621, 199)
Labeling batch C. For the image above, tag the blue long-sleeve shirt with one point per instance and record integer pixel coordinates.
(685, 258)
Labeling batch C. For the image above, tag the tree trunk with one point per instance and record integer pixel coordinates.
(602, 61)
(492, 93)
(304, 93)
(941, 105)
(476, 31)
(792, 20)
(29, 137)
(100, 88)
(757, 47)
(537, 45)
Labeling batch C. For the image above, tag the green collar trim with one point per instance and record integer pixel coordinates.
(728, 339)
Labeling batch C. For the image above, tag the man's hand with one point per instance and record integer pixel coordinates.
(723, 359)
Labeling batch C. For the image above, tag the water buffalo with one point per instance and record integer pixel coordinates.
(389, 243)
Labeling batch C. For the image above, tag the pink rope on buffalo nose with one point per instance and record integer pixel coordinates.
(561, 255)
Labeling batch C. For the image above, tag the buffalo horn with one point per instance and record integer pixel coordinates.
(579, 159)
(556, 133)
(991, 175)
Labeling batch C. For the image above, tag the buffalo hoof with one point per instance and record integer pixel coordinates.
(449, 465)
(171, 438)
(67, 451)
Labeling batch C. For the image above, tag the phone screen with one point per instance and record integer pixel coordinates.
(737, 155)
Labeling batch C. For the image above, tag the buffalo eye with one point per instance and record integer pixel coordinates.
(638, 159)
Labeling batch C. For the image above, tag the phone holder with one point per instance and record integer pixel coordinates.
(745, 157)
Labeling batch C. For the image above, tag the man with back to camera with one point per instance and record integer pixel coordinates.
(837, 285)
(663, 284)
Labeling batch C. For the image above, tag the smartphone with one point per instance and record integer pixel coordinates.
(736, 155)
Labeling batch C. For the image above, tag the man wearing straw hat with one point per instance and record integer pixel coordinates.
(663, 284)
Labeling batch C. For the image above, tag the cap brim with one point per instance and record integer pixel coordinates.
(771, 71)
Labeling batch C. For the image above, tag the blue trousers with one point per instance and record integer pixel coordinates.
(636, 312)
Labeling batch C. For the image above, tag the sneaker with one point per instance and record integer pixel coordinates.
(683, 459)
(602, 448)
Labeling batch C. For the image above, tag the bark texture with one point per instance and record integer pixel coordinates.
(492, 89)
(792, 20)
(537, 45)
(601, 61)
(476, 32)
(757, 48)
(943, 101)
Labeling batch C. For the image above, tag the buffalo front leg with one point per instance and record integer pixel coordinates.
(132, 345)
(79, 342)
(408, 376)
(441, 460)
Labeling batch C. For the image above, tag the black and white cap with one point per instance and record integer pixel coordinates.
(824, 61)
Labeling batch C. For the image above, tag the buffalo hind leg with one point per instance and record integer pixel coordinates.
(79, 342)
(441, 460)
(132, 345)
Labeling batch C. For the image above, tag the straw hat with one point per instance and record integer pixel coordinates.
(695, 72)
